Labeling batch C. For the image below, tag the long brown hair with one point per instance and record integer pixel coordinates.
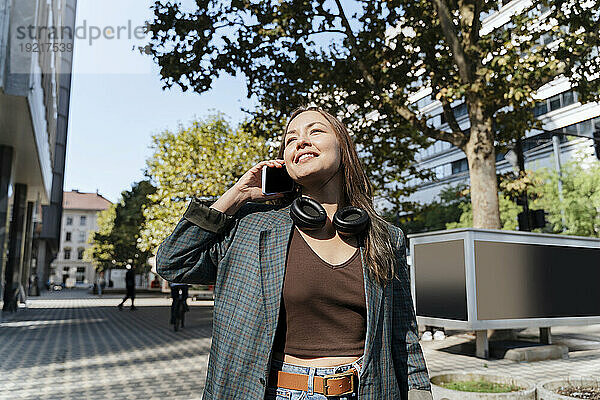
(357, 191)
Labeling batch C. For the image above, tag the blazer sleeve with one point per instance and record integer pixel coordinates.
(409, 363)
(199, 241)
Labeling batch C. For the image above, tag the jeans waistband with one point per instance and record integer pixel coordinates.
(318, 371)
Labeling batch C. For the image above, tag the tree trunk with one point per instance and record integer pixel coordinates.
(481, 157)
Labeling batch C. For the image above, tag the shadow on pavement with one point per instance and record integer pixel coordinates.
(41, 336)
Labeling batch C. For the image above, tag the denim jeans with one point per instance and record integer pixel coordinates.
(289, 394)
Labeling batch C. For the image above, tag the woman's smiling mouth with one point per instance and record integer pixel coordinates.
(305, 157)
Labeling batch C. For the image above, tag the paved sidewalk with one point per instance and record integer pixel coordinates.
(72, 345)
(452, 354)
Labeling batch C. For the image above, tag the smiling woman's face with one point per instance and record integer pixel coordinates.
(312, 153)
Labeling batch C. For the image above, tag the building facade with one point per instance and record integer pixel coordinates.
(558, 108)
(35, 87)
(79, 220)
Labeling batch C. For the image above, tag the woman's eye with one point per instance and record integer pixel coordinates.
(288, 141)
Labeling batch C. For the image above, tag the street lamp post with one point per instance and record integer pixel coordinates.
(556, 148)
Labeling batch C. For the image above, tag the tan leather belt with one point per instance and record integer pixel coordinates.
(330, 385)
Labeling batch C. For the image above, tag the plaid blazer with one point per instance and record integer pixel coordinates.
(244, 256)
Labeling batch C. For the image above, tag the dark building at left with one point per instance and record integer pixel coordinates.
(36, 49)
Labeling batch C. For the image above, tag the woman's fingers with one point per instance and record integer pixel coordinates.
(270, 163)
(252, 178)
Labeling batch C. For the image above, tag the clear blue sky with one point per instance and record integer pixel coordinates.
(117, 102)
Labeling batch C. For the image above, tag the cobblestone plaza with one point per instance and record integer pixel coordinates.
(72, 345)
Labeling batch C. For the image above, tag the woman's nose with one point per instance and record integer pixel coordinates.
(302, 141)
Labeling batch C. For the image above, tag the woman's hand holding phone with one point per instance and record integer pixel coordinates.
(247, 188)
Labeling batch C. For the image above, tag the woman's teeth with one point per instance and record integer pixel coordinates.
(305, 156)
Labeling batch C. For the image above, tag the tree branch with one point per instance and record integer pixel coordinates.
(306, 35)
(234, 23)
(449, 115)
(457, 139)
(458, 52)
(412, 118)
(348, 30)
(470, 21)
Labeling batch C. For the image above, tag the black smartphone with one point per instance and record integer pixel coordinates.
(276, 180)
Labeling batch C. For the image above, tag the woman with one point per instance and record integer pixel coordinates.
(294, 316)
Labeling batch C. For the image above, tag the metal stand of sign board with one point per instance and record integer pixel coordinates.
(545, 336)
(482, 345)
(480, 279)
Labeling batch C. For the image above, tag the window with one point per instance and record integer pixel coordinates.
(596, 134)
(585, 128)
(66, 269)
(568, 98)
(541, 139)
(69, 221)
(554, 102)
(546, 38)
(81, 236)
(80, 253)
(540, 108)
(82, 220)
(461, 110)
(460, 166)
(68, 237)
(67, 254)
(424, 101)
(442, 171)
(571, 129)
(80, 275)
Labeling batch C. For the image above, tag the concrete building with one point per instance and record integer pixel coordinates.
(35, 85)
(80, 212)
(558, 108)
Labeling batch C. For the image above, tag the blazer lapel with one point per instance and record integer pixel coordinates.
(273, 250)
(374, 297)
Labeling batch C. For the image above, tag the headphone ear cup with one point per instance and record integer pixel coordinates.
(308, 214)
(351, 221)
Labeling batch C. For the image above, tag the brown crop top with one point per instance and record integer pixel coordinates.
(323, 309)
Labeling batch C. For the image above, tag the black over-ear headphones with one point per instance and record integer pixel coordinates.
(309, 214)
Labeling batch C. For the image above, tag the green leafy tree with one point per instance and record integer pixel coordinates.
(115, 243)
(365, 59)
(102, 250)
(576, 213)
(202, 160)
(509, 212)
(435, 215)
(579, 211)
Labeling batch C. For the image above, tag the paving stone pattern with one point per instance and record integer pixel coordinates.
(455, 353)
(73, 345)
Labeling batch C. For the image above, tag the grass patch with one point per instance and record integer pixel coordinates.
(480, 386)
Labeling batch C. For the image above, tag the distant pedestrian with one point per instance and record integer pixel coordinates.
(34, 289)
(175, 288)
(130, 285)
(100, 283)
